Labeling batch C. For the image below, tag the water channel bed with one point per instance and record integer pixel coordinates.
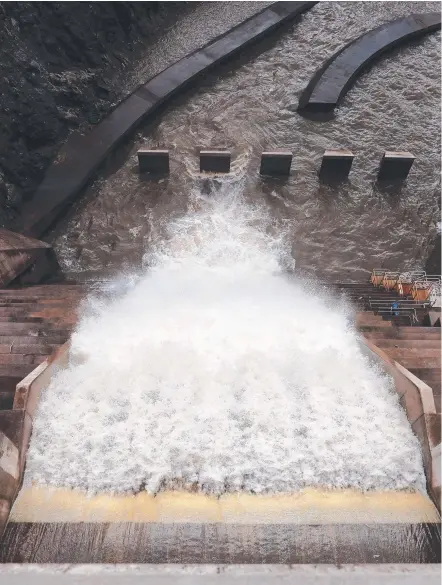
(335, 232)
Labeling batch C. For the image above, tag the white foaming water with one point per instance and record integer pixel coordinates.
(217, 370)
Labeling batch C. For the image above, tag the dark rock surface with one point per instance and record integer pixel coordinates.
(57, 62)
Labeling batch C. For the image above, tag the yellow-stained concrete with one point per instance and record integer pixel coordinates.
(41, 504)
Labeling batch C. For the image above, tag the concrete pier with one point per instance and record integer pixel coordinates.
(336, 165)
(155, 161)
(395, 166)
(276, 163)
(215, 161)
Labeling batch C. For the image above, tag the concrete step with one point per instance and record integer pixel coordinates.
(350, 285)
(412, 352)
(12, 301)
(12, 311)
(433, 381)
(15, 372)
(47, 337)
(418, 362)
(34, 349)
(32, 329)
(404, 333)
(44, 290)
(366, 297)
(410, 343)
(371, 320)
(18, 359)
(424, 373)
(23, 318)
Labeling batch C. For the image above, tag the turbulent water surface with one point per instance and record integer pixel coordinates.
(215, 369)
(206, 361)
(336, 233)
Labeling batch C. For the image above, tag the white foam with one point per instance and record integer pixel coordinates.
(217, 368)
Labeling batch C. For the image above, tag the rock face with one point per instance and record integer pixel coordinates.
(57, 60)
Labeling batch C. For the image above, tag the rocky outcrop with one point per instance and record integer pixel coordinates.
(57, 61)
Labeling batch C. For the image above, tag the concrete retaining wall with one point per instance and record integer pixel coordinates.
(417, 399)
(17, 425)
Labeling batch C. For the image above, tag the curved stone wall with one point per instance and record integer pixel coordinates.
(82, 154)
(332, 81)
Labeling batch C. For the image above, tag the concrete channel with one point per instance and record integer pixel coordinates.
(55, 535)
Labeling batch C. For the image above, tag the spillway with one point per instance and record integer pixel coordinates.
(217, 404)
(225, 375)
(238, 405)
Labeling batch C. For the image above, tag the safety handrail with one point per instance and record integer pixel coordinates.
(408, 304)
(405, 282)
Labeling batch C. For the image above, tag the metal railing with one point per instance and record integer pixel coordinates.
(416, 284)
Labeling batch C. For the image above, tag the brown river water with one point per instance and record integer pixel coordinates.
(250, 106)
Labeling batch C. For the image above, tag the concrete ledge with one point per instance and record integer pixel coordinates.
(215, 161)
(395, 166)
(276, 163)
(40, 504)
(336, 165)
(215, 574)
(82, 154)
(425, 392)
(205, 574)
(153, 161)
(333, 80)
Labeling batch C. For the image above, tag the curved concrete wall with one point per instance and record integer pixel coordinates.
(332, 81)
(82, 154)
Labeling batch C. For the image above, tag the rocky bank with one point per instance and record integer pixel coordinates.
(57, 65)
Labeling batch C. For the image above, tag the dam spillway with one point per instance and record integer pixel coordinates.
(220, 418)
(248, 380)
(202, 372)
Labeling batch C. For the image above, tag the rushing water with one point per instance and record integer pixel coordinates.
(215, 368)
(337, 233)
